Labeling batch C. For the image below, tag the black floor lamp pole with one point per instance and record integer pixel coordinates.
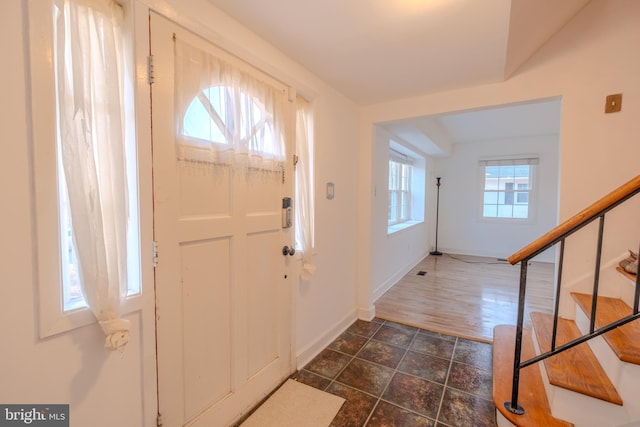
(437, 252)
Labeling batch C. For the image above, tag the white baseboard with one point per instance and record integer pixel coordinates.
(367, 314)
(399, 274)
(312, 350)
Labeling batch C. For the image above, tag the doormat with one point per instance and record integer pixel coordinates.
(296, 405)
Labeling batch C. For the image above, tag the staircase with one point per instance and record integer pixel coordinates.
(581, 370)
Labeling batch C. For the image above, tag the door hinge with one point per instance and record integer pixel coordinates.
(155, 254)
(159, 421)
(150, 76)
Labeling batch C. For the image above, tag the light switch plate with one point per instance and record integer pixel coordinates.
(330, 190)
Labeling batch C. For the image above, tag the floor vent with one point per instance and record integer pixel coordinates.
(422, 273)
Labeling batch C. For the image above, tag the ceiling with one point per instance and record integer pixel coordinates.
(379, 50)
(375, 51)
(435, 135)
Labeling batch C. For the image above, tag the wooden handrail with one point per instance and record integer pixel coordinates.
(581, 218)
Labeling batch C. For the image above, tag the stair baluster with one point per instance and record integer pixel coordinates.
(555, 236)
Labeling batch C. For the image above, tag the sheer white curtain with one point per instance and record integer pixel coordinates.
(304, 211)
(88, 52)
(225, 115)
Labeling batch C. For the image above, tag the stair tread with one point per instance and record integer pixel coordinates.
(576, 369)
(531, 394)
(625, 340)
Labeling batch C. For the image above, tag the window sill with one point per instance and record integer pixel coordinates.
(401, 226)
(65, 321)
(513, 221)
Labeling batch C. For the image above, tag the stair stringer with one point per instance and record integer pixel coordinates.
(624, 376)
(580, 409)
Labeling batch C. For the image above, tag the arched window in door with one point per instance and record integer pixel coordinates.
(214, 114)
(229, 116)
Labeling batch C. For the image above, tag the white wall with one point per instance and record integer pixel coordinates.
(594, 55)
(394, 254)
(461, 228)
(326, 304)
(113, 389)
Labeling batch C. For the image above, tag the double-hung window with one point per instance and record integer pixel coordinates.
(399, 192)
(507, 188)
(406, 189)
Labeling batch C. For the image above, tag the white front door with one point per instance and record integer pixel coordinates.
(223, 299)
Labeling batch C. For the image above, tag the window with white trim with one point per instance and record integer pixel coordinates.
(65, 58)
(406, 188)
(507, 188)
(304, 201)
(399, 192)
(304, 177)
(85, 152)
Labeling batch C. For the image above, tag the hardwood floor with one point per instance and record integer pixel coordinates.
(466, 296)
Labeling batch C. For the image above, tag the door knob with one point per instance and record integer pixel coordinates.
(286, 250)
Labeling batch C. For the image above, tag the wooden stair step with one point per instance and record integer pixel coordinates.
(532, 396)
(576, 369)
(625, 340)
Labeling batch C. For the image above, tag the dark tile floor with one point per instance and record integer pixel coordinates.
(396, 375)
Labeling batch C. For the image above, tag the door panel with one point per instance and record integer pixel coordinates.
(206, 284)
(222, 298)
(196, 197)
(262, 303)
